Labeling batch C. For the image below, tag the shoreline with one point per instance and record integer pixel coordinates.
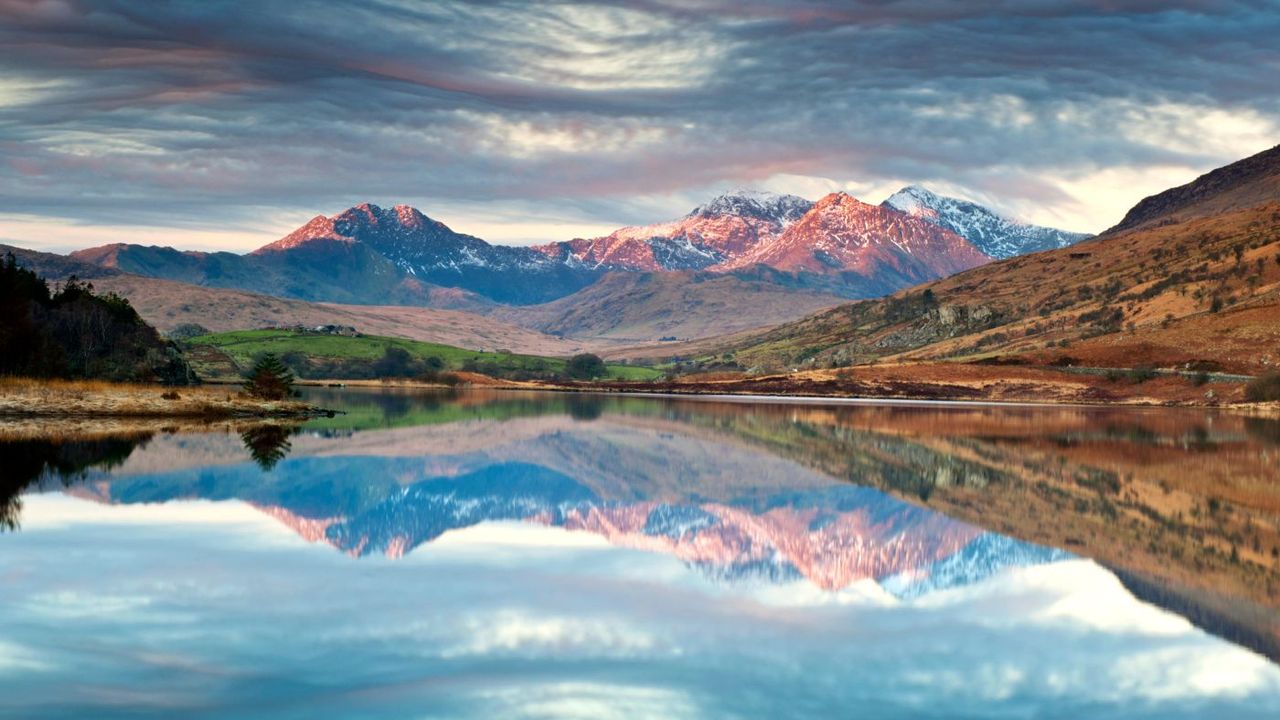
(961, 384)
(951, 383)
(28, 398)
(908, 383)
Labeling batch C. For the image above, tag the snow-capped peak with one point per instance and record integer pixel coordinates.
(778, 207)
(912, 199)
(993, 233)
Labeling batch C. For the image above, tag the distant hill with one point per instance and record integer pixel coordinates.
(323, 270)
(1191, 279)
(169, 304)
(992, 233)
(644, 307)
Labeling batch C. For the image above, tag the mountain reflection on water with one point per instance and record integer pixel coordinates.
(856, 503)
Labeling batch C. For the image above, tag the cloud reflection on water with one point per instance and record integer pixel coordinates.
(507, 620)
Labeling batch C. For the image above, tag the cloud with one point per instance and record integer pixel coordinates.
(184, 116)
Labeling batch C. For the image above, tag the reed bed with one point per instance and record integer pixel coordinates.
(38, 397)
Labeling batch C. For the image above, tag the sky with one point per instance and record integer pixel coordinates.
(224, 125)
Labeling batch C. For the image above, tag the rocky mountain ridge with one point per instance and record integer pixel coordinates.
(886, 247)
(992, 233)
(406, 253)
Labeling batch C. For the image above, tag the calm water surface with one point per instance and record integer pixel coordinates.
(538, 555)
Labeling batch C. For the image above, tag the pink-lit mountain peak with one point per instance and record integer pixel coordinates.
(712, 235)
(842, 207)
(359, 222)
(842, 233)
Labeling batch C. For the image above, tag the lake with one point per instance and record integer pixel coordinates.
(506, 555)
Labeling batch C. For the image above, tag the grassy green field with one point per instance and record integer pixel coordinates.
(244, 345)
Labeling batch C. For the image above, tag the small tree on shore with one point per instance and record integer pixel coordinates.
(269, 379)
(1264, 388)
(585, 367)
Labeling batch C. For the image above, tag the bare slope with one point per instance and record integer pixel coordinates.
(642, 308)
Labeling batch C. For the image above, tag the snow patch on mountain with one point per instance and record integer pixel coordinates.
(986, 556)
(782, 209)
(890, 249)
(994, 234)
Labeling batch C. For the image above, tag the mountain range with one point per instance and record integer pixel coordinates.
(782, 255)
(398, 255)
(1182, 266)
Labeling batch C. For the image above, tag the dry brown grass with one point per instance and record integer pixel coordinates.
(62, 429)
(29, 397)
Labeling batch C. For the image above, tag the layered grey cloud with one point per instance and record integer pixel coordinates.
(219, 114)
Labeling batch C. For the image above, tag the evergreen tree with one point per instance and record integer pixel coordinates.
(269, 379)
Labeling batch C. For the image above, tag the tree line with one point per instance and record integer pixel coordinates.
(73, 332)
